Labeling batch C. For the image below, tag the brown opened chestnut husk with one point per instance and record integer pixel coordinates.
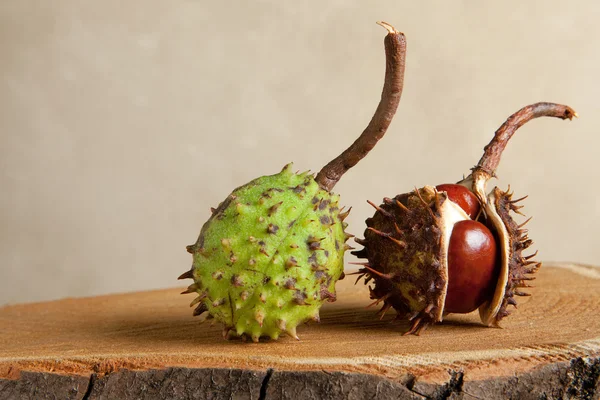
(453, 248)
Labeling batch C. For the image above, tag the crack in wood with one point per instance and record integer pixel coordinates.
(265, 384)
(90, 387)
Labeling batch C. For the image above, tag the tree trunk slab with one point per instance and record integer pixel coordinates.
(148, 345)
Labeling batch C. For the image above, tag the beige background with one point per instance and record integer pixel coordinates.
(121, 123)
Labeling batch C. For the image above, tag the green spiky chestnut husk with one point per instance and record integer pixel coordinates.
(271, 253)
(269, 256)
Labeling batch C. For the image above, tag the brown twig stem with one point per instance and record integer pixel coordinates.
(493, 151)
(486, 167)
(395, 54)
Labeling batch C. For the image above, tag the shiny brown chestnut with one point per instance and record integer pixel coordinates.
(472, 267)
(463, 197)
(453, 248)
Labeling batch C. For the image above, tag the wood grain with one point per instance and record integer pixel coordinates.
(155, 329)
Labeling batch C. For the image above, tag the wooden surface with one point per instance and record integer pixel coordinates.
(155, 330)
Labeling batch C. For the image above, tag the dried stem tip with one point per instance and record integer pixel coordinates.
(387, 26)
(395, 54)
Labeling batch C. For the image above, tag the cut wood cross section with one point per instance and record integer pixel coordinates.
(155, 330)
